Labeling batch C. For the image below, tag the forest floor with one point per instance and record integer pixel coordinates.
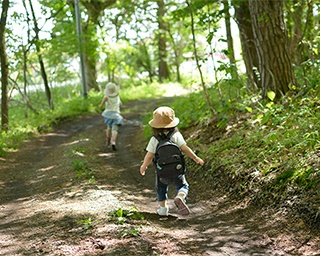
(48, 206)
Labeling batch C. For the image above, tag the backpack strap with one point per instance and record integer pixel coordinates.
(168, 135)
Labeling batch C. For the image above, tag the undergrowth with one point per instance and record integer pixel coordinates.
(261, 152)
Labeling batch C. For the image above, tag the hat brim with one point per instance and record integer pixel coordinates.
(112, 94)
(172, 124)
(114, 90)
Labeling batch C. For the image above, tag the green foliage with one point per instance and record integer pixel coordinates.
(117, 57)
(129, 232)
(11, 139)
(120, 216)
(87, 223)
(284, 176)
(141, 90)
(81, 168)
(193, 108)
(278, 142)
(190, 109)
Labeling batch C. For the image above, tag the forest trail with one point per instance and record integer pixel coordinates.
(47, 208)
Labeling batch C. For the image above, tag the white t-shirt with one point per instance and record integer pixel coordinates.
(176, 138)
(113, 104)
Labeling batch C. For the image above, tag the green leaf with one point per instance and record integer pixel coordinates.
(269, 105)
(209, 38)
(265, 118)
(120, 212)
(271, 95)
(249, 109)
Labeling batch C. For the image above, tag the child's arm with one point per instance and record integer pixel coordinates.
(188, 151)
(147, 160)
(104, 100)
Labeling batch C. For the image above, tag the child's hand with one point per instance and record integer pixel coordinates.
(198, 160)
(143, 170)
(147, 160)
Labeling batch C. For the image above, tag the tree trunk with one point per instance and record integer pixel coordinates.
(90, 64)
(297, 32)
(144, 58)
(249, 52)
(95, 9)
(271, 41)
(177, 55)
(310, 33)
(4, 68)
(230, 54)
(41, 63)
(162, 43)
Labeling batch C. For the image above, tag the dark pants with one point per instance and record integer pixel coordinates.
(180, 184)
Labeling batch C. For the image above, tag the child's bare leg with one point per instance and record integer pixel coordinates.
(108, 136)
(114, 135)
(114, 139)
(163, 203)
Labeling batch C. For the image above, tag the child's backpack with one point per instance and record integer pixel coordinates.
(168, 159)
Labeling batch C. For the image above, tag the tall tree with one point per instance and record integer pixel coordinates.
(4, 67)
(230, 52)
(95, 10)
(41, 62)
(249, 52)
(271, 41)
(162, 42)
(301, 24)
(178, 44)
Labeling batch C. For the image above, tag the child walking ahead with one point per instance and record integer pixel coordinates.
(111, 114)
(163, 123)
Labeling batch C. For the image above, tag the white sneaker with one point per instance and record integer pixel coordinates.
(162, 211)
(180, 202)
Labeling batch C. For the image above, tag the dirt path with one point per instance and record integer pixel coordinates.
(47, 208)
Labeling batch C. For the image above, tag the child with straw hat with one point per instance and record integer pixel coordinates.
(163, 122)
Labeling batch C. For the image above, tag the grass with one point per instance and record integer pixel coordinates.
(264, 152)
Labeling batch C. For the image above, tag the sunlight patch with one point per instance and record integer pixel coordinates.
(91, 201)
(75, 142)
(55, 134)
(106, 154)
(46, 168)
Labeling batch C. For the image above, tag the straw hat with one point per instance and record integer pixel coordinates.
(163, 117)
(111, 90)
